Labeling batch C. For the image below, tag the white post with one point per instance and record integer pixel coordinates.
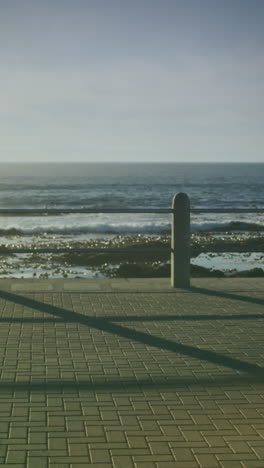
(180, 241)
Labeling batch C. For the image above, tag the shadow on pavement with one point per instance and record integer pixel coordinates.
(139, 318)
(227, 295)
(134, 384)
(138, 336)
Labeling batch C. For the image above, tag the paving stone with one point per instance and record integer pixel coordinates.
(105, 376)
(122, 461)
(207, 461)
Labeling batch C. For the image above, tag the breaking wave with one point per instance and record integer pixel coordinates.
(75, 227)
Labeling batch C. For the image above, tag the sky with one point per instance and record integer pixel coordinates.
(132, 80)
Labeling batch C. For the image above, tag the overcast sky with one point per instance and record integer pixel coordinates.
(124, 80)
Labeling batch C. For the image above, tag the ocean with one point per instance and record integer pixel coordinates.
(122, 185)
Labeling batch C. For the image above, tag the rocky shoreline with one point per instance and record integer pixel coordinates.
(123, 264)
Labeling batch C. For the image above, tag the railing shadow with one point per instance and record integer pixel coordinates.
(140, 318)
(169, 292)
(134, 384)
(180, 318)
(105, 325)
(227, 295)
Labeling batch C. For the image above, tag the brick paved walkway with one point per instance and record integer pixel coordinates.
(94, 374)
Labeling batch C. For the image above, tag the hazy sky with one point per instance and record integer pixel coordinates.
(123, 80)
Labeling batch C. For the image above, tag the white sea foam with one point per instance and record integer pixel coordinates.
(220, 186)
(117, 224)
(127, 186)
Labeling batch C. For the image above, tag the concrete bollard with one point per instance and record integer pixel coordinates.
(180, 241)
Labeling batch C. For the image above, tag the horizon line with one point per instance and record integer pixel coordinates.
(131, 162)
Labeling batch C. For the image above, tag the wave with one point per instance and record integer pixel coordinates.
(125, 228)
(228, 227)
(99, 228)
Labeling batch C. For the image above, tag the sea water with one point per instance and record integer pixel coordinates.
(125, 185)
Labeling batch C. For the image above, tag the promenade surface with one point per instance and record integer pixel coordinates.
(131, 373)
